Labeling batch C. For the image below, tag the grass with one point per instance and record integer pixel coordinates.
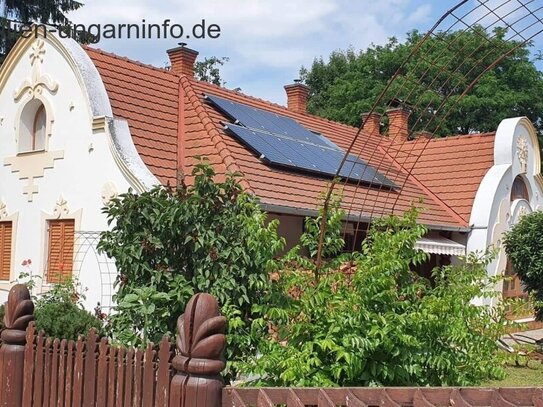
(520, 376)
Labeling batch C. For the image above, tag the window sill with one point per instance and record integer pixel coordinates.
(31, 152)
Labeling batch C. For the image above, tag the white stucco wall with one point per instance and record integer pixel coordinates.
(516, 153)
(95, 156)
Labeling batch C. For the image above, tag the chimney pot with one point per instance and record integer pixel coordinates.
(398, 123)
(297, 95)
(182, 59)
(372, 123)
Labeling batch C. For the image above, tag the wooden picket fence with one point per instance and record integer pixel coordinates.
(36, 371)
(91, 372)
(382, 397)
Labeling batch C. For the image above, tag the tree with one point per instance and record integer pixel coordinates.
(350, 82)
(524, 248)
(376, 322)
(31, 11)
(208, 70)
(171, 243)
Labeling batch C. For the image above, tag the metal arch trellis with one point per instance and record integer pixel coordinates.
(87, 259)
(86, 244)
(518, 22)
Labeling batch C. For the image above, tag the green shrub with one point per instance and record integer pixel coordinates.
(60, 313)
(171, 243)
(524, 247)
(384, 325)
(1, 317)
(65, 320)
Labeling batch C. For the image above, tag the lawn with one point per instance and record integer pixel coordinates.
(523, 376)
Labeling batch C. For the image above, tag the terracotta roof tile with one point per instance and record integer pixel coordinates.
(452, 167)
(149, 99)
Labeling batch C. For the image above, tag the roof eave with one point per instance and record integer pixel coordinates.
(289, 210)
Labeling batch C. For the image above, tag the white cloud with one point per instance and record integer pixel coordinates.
(266, 40)
(515, 13)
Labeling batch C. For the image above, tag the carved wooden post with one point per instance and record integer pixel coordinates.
(200, 344)
(19, 312)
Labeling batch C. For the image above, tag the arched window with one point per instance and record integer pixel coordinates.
(519, 189)
(32, 132)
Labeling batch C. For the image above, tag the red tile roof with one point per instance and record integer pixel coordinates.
(171, 124)
(451, 167)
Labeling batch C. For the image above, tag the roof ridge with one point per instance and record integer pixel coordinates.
(274, 104)
(231, 91)
(218, 143)
(426, 190)
(126, 59)
(455, 137)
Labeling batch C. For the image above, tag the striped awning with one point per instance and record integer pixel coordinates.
(440, 245)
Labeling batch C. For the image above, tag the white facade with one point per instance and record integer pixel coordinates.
(516, 156)
(88, 158)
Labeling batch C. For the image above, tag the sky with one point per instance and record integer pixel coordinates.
(266, 41)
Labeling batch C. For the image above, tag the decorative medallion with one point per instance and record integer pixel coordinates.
(38, 51)
(38, 82)
(61, 208)
(522, 153)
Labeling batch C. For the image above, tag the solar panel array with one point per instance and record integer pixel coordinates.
(280, 140)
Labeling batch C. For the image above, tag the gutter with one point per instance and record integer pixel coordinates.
(288, 210)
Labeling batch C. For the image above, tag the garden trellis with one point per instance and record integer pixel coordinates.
(431, 92)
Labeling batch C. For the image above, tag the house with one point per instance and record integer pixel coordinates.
(79, 126)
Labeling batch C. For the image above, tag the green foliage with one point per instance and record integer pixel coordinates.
(208, 70)
(67, 291)
(350, 82)
(65, 320)
(524, 248)
(59, 312)
(169, 244)
(384, 325)
(39, 10)
(32, 11)
(333, 242)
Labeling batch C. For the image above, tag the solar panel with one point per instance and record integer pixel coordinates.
(305, 156)
(259, 119)
(281, 140)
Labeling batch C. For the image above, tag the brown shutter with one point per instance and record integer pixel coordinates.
(6, 230)
(60, 257)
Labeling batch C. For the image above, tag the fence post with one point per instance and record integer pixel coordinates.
(200, 355)
(19, 312)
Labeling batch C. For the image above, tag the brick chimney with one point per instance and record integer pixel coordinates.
(398, 123)
(372, 124)
(297, 95)
(182, 59)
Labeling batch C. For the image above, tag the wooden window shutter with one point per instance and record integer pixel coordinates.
(6, 232)
(60, 259)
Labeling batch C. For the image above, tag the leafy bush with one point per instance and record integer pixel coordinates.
(170, 243)
(384, 325)
(524, 248)
(65, 320)
(1, 317)
(59, 312)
